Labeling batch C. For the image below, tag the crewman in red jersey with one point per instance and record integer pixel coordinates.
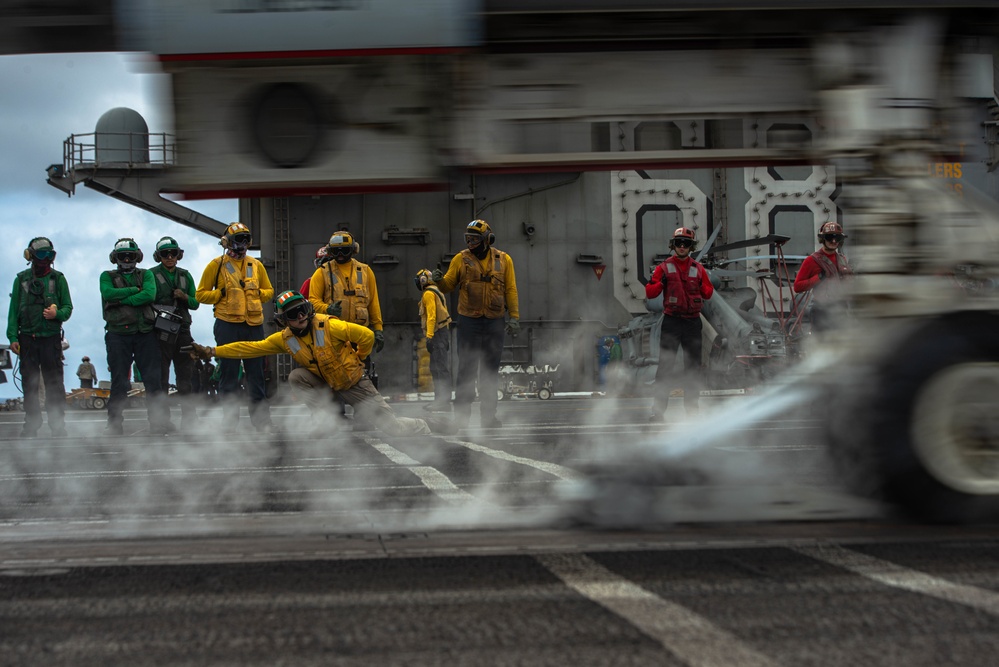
(822, 272)
(685, 285)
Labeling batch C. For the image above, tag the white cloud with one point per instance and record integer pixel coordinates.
(48, 98)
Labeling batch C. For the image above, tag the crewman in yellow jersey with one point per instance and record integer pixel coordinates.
(436, 322)
(487, 294)
(237, 286)
(330, 354)
(348, 285)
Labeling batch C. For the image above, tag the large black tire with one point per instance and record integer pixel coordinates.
(920, 428)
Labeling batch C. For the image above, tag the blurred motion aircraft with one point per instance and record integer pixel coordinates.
(585, 132)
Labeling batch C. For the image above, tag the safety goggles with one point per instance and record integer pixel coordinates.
(683, 243)
(169, 254)
(297, 312)
(341, 251)
(126, 257)
(833, 238)
(44, 254)
(473, 239)
(242, 239)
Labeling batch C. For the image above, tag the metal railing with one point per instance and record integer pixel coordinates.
(116, 149)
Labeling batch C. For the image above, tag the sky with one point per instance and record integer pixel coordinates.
(46, 99)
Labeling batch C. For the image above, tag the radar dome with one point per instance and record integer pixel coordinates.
(122, 136)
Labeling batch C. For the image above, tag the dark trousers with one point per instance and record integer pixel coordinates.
(86, 383)
(230, 332)
(679, 332)
(183, 367)
(439, 348)
(480, 347)
(41, 360)
(143, 349)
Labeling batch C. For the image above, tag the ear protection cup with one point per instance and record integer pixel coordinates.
(357, 248)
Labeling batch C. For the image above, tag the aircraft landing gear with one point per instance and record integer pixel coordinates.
(922, 429)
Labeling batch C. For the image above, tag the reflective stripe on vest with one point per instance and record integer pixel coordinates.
(130, 314)
(181, 280)
(681, 297)
(441, 308)
(355, 304)
(339, 368)
(239, 303)
(482, 294)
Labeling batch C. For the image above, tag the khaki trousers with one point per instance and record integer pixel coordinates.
(368, 404)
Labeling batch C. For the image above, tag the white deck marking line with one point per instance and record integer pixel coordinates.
(689, 636)
(899, 576)
(431, 477)
(545, 466)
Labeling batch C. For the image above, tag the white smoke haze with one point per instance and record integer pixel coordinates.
(614, 470)
(702, 467)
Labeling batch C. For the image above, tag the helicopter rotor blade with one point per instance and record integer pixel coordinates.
(707, 246)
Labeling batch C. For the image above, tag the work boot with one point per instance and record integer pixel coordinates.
(29, 431)
(266, 427)
(440, 425)
(461, 415)
(114, 428)
(162, 428)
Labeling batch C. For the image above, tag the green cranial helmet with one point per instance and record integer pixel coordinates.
(289, 305)
(40, 249)
(125, 252)
(164, 245)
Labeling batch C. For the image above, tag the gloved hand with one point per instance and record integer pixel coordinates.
(513, 327)
(203, 352)
(223, 292)
(437, 275)
(335, 309)
(379, 341)
(179, 294)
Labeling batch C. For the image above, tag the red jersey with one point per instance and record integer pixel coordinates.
(686, 284)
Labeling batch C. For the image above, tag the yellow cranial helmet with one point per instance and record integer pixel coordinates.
(481, 229)
(423, 278)
(236, 236)
(342, 245)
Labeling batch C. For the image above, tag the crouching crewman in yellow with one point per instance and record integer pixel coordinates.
(323, 347)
